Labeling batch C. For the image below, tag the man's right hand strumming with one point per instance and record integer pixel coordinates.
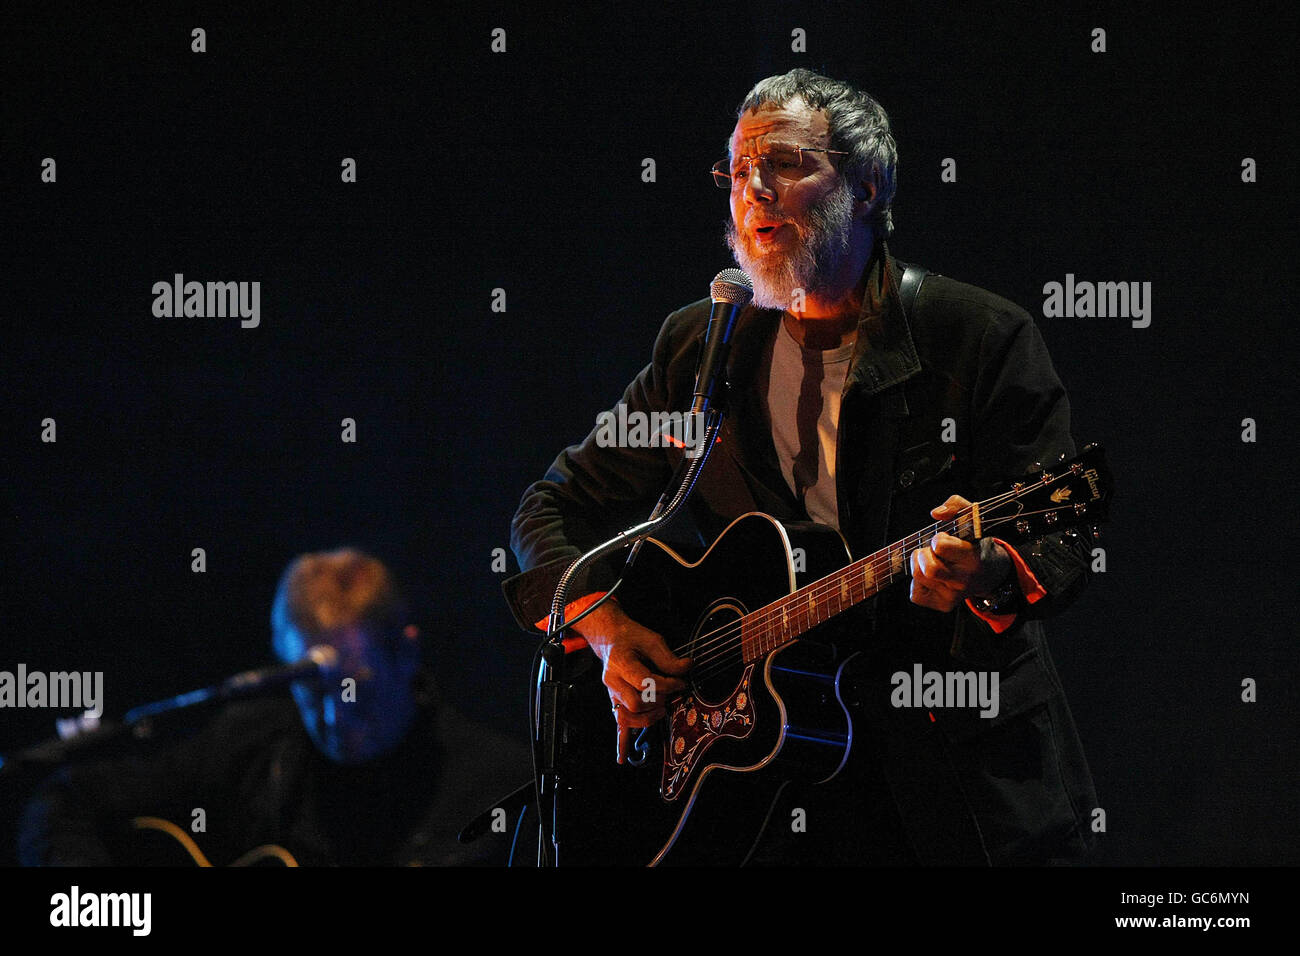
(640, 672)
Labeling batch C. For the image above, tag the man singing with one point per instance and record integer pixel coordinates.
(853, 410)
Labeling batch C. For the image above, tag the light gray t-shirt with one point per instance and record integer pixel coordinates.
(803, 408)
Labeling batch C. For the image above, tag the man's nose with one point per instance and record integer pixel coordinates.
(757, 189)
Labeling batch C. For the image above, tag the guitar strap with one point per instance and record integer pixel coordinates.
(910, 285)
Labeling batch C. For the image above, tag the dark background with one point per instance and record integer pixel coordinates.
(522, 171)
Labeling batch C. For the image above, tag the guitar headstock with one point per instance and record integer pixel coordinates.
(1063, 495)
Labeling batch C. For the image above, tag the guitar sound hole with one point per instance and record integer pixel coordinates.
(715, 648)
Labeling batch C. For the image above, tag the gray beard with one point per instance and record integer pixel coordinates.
(824, 243)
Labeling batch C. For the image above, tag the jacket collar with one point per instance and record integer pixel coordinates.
(885, 354)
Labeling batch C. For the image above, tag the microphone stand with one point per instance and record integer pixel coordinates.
(552, 686)
(81, 737)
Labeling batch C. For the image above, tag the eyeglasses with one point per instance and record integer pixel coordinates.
(785, 164)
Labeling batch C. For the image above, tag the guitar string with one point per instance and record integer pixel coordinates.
(884, 557)
(833, 581)
(719, 661)
(885, 554)
(722, 642)
(721, 646)
(764, 617)
(876, 562)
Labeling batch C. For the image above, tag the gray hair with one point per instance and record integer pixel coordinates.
(858, 125)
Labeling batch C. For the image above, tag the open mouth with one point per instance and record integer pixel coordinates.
(767, 232)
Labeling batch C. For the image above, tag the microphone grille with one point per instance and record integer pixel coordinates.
(732, 285)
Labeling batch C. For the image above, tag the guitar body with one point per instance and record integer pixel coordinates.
(714, 767)
(757, 615)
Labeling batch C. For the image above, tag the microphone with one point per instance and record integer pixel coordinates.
(319, 658)
(730, 291)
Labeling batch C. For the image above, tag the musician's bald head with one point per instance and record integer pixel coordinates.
(348, 600)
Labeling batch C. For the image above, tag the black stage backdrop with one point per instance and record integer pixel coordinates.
(524, 170)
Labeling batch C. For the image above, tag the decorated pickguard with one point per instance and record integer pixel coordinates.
(694, 726)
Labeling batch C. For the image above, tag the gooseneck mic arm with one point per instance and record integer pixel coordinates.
(730, 291)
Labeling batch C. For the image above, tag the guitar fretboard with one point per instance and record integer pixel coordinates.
(792, 616)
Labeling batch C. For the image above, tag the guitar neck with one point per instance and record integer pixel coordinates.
(1071, 493)
(789, 618)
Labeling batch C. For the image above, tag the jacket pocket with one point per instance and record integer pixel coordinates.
(922, 464)
(1013, 782)
(1021, 686)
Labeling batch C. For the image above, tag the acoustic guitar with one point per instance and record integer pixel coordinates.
(764, 703)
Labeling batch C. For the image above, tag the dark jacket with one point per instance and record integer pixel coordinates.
(1013, 788)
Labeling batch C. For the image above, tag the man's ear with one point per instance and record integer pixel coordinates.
(866, 188)
(864, 194)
